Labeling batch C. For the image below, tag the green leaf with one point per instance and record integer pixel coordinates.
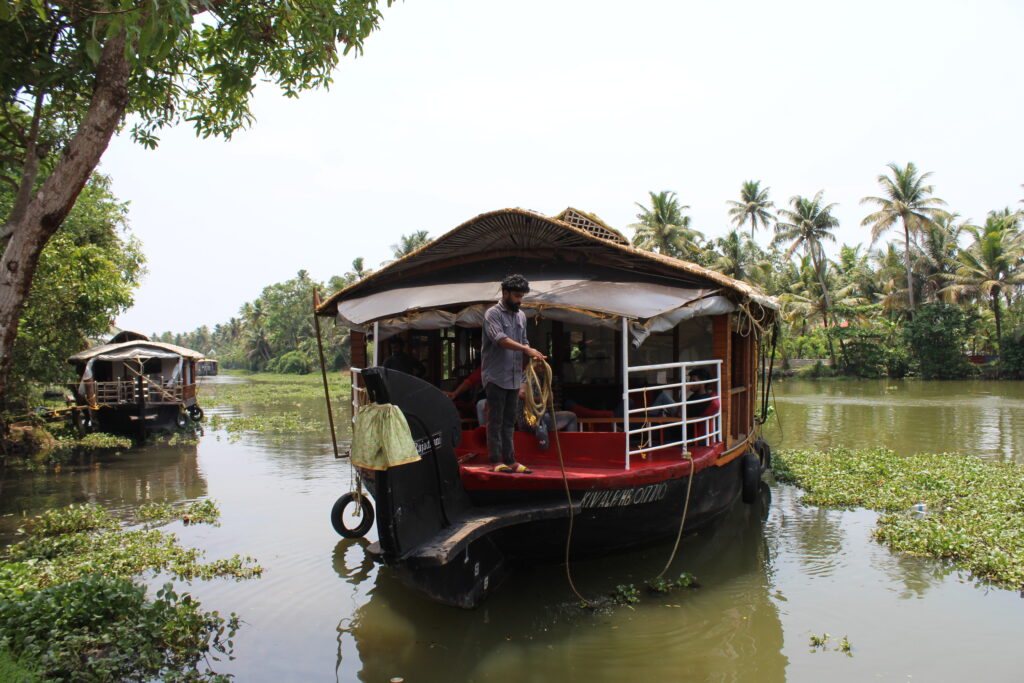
(40, 9)
(93, 49)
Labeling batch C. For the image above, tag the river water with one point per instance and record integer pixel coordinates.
(771, 575)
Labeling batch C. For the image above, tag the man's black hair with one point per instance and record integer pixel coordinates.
(515, 283)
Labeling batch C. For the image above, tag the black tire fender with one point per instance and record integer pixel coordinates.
(195, 412)
(181, 420)
(750, 471)
(338, 516)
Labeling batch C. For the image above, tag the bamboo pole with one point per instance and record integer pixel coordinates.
(323, 371)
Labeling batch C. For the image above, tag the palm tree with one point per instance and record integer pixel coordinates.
(753, 206)
(408, 244)
(664, 228)
(805, 227)
(907, 201)
(888, 276)
(993, 264)
(939, 249)
(804, 297)
(359, 271)
(735, 256)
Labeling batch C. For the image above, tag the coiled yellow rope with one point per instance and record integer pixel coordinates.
(538, 393)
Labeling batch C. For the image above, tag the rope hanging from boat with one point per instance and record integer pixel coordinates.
(682, 521)
(542, 385)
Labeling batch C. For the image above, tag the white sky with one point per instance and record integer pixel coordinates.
(464, 106)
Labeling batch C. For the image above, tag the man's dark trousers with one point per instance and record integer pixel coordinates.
(501, 422)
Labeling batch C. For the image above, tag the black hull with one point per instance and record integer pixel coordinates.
(124, 419)
(610, 525)
(608, 528)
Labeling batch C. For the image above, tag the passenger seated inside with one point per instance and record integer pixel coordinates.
(701, 402)
(399, 359)
(469, 388)
(564, 419)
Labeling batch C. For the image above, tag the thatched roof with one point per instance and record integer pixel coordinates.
(572, 237)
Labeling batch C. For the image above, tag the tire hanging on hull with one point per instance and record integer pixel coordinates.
(338, 516)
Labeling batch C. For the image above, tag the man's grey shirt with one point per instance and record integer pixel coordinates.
(503, 367)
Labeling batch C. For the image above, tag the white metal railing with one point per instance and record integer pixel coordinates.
(676, 407)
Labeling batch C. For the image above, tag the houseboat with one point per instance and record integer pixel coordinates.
(207, 367)
(132, 385)
(659, 361)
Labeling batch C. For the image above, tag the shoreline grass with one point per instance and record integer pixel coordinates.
(948, 506)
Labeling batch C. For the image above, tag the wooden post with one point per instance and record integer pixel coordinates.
(140, 403)
(721, 335)
(323, 371)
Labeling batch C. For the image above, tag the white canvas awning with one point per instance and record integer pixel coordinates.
(650, 307)
(634, 300)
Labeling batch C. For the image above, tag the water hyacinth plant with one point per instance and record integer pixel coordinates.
(950, 506)
(70, 608)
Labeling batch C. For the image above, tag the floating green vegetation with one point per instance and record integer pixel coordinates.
(822, 643)
(102, 628)
(277, 423)
(295, 403)
(819, 641)
(198, 512)
(69, 609)
(69, 543)
(15, 670)
(99, 441)
(270, 389)
(660, 585)
(950, 506)
(626, 594)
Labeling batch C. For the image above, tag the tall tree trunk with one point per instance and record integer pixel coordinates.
(49, 206)
(996, 310)
(828, 304)
(906, 258)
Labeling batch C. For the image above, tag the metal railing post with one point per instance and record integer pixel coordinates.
(376, 343)
(625, 384)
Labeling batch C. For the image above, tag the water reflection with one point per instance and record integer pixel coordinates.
(157, 473)
(532, 628)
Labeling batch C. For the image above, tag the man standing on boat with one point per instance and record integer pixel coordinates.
(504, 350)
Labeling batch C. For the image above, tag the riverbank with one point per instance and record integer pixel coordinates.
(948, 506)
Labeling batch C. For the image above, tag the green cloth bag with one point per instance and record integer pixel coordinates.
(381, 438)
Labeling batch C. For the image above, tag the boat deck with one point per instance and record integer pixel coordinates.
(593, 460)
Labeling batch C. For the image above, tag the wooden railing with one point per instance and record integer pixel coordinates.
(155, 391)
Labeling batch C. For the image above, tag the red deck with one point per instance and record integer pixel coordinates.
(593, 460)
